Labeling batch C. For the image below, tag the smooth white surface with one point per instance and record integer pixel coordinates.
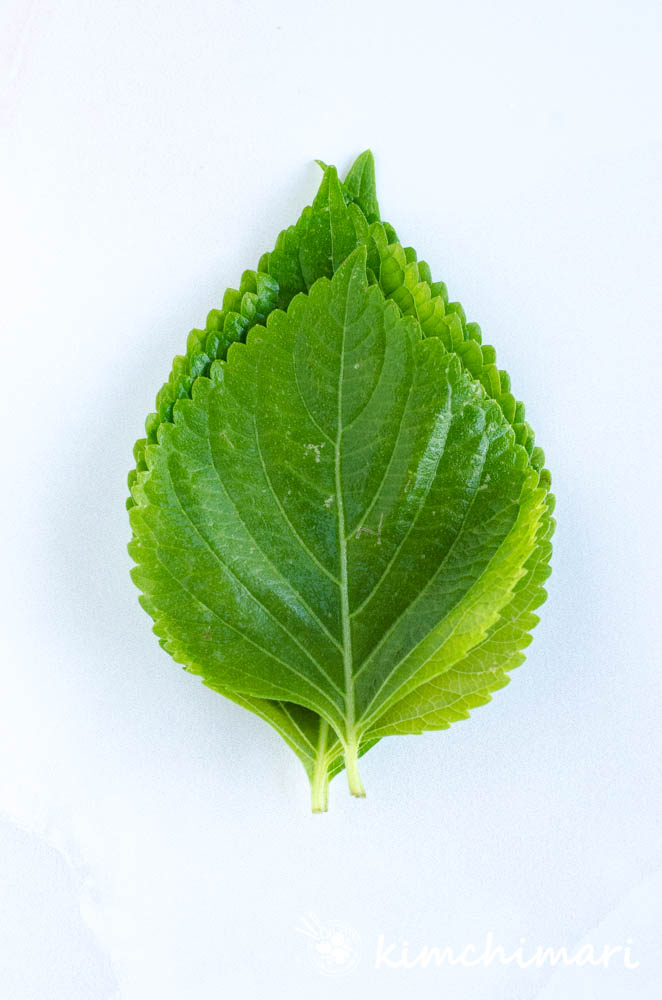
(157, 840)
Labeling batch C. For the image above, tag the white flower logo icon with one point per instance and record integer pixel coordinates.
(334, 947)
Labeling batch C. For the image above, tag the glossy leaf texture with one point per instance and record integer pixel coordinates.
(340, 519)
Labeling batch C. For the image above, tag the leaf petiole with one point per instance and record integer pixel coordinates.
(319, 781)
(352, 768)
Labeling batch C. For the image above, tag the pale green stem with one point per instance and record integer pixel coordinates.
(352, 768)
(319, 782)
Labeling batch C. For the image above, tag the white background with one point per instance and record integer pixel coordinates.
(157, 840)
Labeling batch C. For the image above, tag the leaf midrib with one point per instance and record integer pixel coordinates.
(348, 660)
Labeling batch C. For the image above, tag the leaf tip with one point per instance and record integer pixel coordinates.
(361, 184)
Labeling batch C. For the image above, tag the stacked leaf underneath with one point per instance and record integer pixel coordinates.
(340, 519)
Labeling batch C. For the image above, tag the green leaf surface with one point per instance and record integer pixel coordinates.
(344, 525)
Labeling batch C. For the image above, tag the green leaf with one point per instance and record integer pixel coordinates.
(340, 530)
(361, 187)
